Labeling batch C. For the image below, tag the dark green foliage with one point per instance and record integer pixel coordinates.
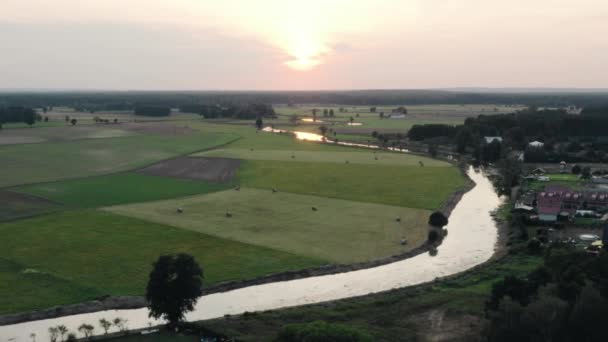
(433, 150)
(320, 331)
(148, 110)
(259, 123)
(422, 132)
(576, 169)
(17, 114)
(438, 219)
(566, 300)
(249, 111)
(586, 172)
(510, 171)
(433, 236)
(491, 152)
(174, 287)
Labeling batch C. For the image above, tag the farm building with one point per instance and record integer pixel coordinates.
(559, 200)
(536, 144)
(489, 140)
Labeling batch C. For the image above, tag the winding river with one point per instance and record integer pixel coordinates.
(471, 241)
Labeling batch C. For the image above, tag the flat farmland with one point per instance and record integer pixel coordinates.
(406, 186)
(358, 157)
(33, 163)
(81, 255)
(338, 231)
(120, 188)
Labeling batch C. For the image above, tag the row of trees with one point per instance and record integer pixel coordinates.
(62, 333)
(148, 110)
(249, 111)
(127, 100)
(19, 114)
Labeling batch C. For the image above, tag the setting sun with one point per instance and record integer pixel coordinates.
(304, 45)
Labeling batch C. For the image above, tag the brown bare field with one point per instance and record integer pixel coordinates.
(16, 205)
(219, 170)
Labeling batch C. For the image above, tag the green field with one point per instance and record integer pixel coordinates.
(118, 189)
(339, 231)
(417, 114)
(33, 163)
(360, 157)
(77, 253)
(563, 179)
(74, 256)
(58, 134)
(406, 186)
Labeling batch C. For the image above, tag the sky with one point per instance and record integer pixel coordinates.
(302, 44)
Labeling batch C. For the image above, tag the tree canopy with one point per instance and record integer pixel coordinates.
(174, 287)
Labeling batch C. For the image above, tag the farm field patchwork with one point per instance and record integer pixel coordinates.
(32, 163)
(58, 134)
(406, 186)
(84, 254)
(118, 189)
(360, 157)
(266, 141)
(339, 231)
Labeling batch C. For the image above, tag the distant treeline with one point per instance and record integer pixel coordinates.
(18, 114)
(573, 138)
(146, 110)
(237, 111)
(540, 125)
(95, 101)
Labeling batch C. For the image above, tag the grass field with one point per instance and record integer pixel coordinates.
(250, 139)
(32, 163)
(118, 189)
(360, 157)
(74, 256)
(564, 179)
(417, 114)
(58, 134)
(406, 186)
(339, 231)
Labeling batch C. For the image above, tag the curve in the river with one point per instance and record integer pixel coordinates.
(471, 241)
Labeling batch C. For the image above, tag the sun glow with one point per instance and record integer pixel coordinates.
(304, 45)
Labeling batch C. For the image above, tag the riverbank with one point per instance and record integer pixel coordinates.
(447, 309)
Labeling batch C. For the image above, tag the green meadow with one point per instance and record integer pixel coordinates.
(119, 188)
(407, 186)
(81, 255)
(379, 158)
(338, 231)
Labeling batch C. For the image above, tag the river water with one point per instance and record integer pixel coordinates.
(471, 241)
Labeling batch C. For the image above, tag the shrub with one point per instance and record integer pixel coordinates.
(320, 331)
(437, 219)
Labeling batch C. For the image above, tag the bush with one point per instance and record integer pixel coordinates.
(433, 236)
(437, 219)
(320, 331)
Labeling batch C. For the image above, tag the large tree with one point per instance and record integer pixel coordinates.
(174, 287)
